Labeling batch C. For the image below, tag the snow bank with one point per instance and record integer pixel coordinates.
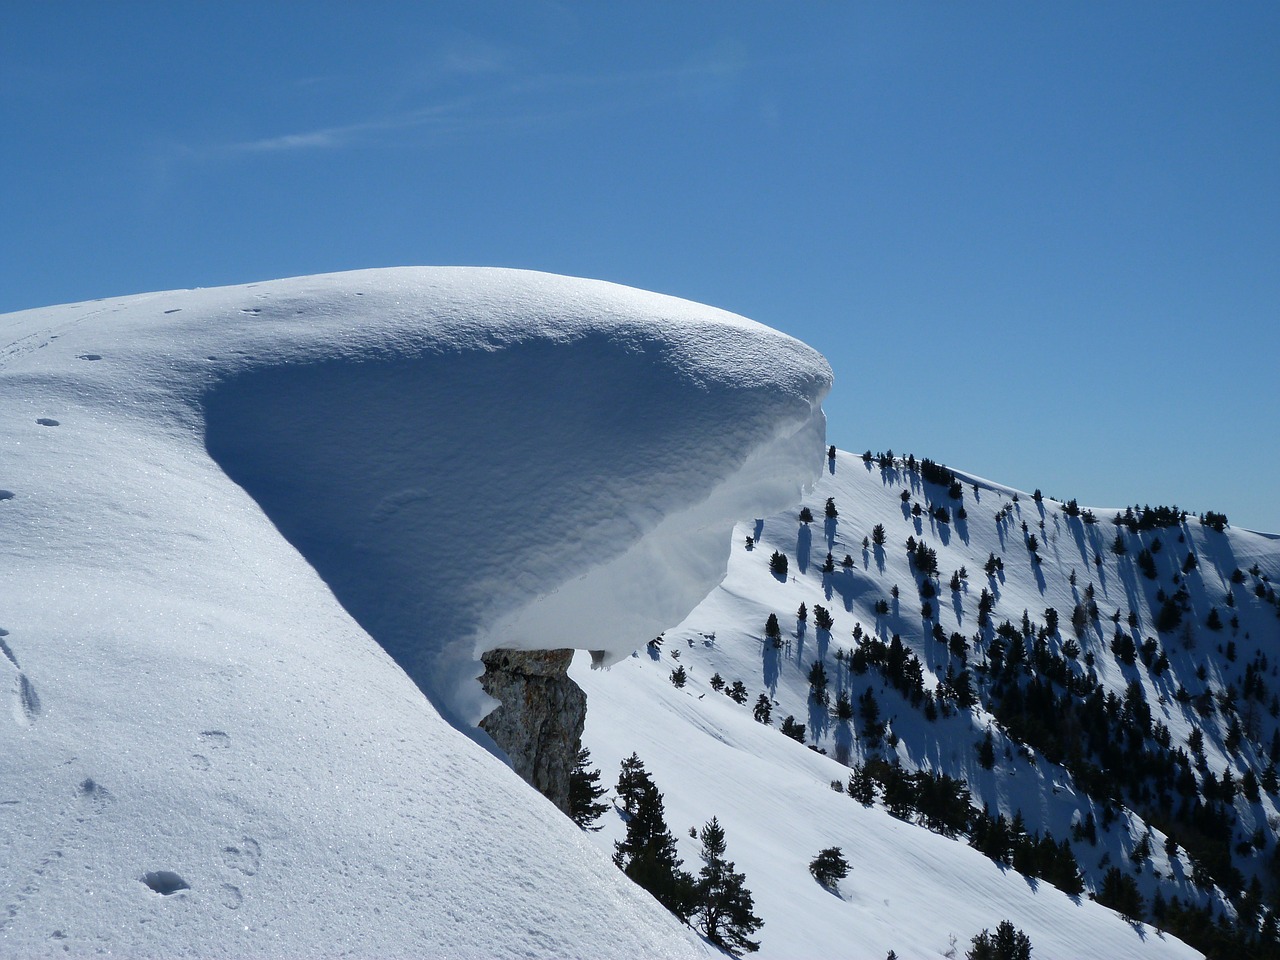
(206, 752)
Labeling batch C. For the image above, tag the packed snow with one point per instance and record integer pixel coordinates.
(225, 512)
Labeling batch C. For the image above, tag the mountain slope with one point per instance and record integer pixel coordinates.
(712, 758)
(207, 749)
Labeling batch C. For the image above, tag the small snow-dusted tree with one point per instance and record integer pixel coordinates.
(585, 793)
(737, 692)
(831, 510)
(829, 867)
(806, 515)
(725, 909)
(878, 536)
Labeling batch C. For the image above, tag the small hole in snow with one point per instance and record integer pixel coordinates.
(165, 882)
(89, 356)
(47, 422)
(7, 494)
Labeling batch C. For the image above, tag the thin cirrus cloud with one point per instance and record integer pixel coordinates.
(535, 100)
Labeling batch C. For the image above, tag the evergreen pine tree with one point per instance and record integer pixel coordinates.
(648, 854)
(725, 910)
(585, 793)
(829, 867)
(763, 711)
(631, 779)
(1007, 943)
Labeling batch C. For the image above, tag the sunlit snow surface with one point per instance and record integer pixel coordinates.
(206, 753)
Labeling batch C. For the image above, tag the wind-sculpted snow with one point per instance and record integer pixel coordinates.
(206, 752)
(534, 464)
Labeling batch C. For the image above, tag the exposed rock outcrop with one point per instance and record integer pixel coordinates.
(540, 720)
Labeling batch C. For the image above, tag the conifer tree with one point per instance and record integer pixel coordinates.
(648, 853)
(585, 793)
(763, 711)
(631, 779)
(832, 512)
(778, 564)
(1007, 943)
(725, 909)
(829, 867)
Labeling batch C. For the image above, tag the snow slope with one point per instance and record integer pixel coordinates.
(910, 890)
(225, 511)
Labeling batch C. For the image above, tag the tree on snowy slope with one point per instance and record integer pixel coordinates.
(648, 854)
(725, 908)
(1008, 943)
(585, 793)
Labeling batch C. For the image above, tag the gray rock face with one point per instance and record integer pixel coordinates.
(539, 724)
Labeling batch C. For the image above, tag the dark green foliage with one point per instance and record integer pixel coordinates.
(1169, 617)
(585, 793)
(738, 692)
(717, 682)
(679, 677)
(829, 867)
(1215, 521)
(1007, 943)
(1214, 622)
(932, 472)
(778, 564)
(987, 751)
(844, 706)
(763, 711)
(648, 854)
(822, 617)
(1120, 892)
(878, 535)
(803, 613)
(831, 510)
(724, 907)
(792, 729)
(818, 682)
(772, 630)
(632, 777)
(806, 515)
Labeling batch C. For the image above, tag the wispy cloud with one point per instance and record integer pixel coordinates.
(506, 102)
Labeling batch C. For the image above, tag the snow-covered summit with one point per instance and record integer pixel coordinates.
(208, 753)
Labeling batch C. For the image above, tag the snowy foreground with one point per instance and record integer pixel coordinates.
(223, 509)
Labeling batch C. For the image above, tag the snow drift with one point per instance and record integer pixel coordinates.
(208, 753)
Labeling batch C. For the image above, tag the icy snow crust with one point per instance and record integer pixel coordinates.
(206, 753)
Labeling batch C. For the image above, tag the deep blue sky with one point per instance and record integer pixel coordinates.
(1039, 242)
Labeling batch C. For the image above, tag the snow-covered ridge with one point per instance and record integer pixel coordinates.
(467, 458)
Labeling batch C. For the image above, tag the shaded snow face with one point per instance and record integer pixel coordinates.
(551, 493)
